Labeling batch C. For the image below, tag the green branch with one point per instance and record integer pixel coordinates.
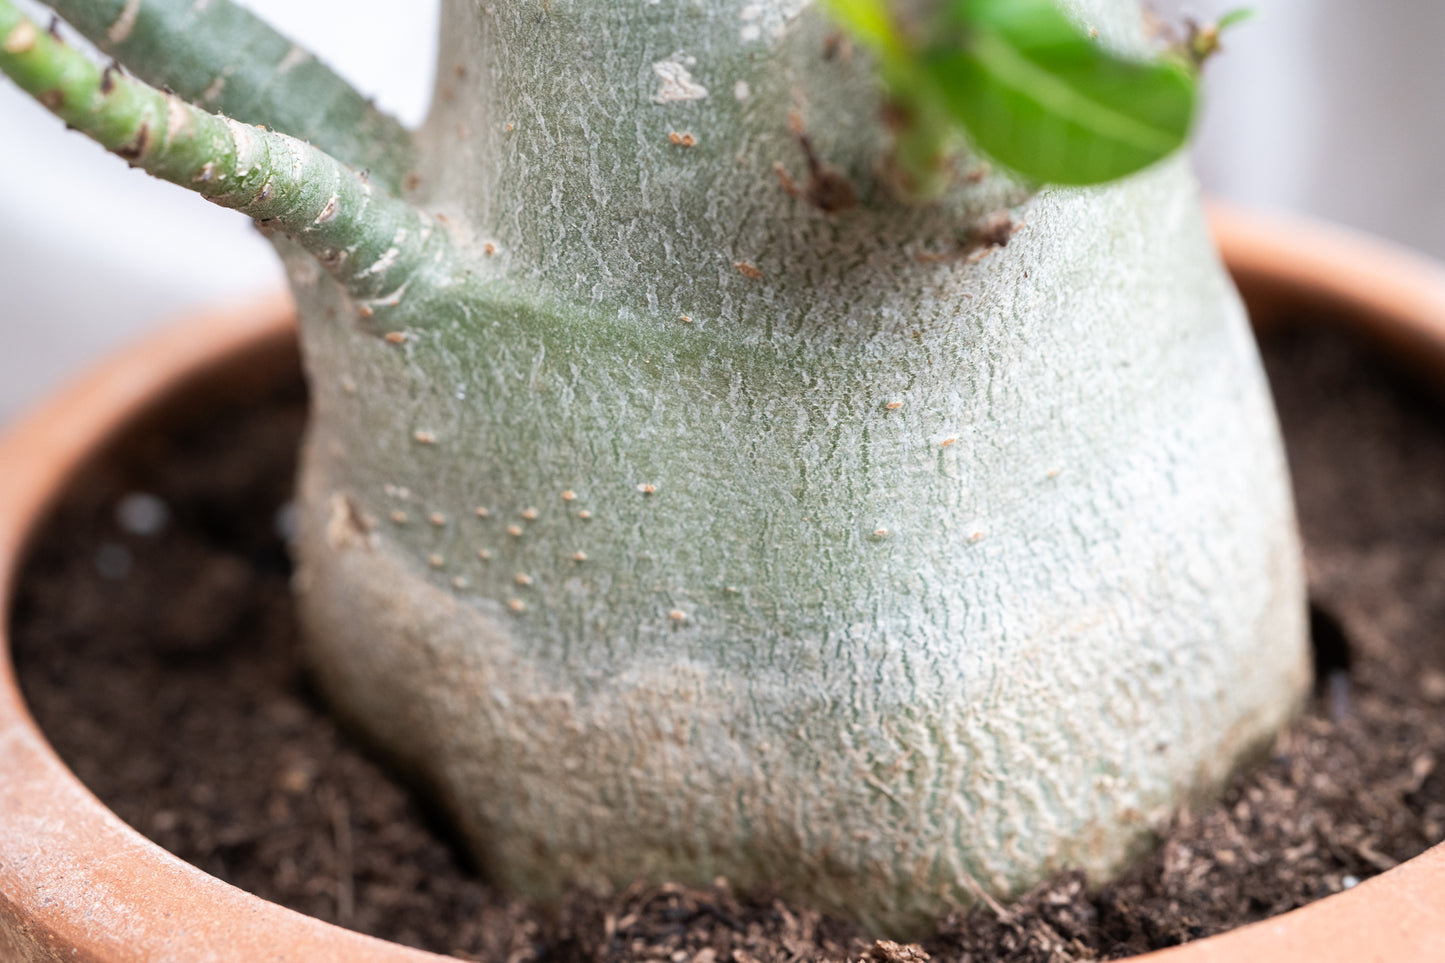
(370, 241)
(222, 57)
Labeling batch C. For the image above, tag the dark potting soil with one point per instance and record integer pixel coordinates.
(156, 646)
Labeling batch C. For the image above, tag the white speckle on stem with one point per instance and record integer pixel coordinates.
(22, 39)
(213, 92)
(328, 211)
(382, 263)
(243, 137)
(295, 57)
(119, 31)
(388, 300)
(677, 83)
(178, 118)
(742, 91)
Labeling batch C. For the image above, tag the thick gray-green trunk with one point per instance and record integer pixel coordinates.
(694, 530)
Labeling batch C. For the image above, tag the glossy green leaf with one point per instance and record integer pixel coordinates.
(1040, 96)
(869, 21)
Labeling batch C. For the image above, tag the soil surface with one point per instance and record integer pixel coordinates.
(156, 645)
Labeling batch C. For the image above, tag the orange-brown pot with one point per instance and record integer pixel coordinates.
(77, 884)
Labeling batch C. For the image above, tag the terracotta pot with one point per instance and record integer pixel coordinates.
(78, 884)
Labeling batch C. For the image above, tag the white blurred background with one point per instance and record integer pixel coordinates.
(1326, 107)
(93, 253)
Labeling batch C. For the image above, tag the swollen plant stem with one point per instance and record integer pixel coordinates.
(370, 241)
(225, 58)
(689, 528)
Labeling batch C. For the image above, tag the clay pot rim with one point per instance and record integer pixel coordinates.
(77, 883)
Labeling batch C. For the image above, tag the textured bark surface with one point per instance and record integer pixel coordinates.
(830, 552)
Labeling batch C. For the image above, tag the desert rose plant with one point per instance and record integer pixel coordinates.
(726, 457)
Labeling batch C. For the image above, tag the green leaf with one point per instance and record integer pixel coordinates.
(1235, 17)
(1040, 96)
(869, 22)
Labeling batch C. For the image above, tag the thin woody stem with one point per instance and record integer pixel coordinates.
(215, 54)
(370, 241)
